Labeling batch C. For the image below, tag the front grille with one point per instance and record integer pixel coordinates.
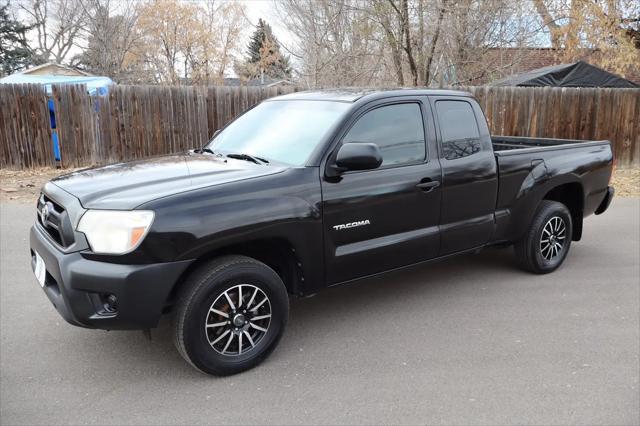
(55, 221)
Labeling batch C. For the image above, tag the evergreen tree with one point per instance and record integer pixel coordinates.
(264, 55)
(263, 30)
(15, 54)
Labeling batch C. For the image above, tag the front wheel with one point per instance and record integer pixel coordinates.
(230, 316)
(546, 244)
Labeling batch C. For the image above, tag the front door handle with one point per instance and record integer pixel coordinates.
(429, 185)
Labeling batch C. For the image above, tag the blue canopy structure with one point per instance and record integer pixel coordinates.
(95, 85)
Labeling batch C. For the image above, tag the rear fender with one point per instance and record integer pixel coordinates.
(535, 188)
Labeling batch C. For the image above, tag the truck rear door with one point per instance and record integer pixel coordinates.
(376, 220)
(470, 183)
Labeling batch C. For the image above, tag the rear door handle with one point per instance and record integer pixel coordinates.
(429, 185)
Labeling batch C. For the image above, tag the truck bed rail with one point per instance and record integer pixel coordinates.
(511, 145)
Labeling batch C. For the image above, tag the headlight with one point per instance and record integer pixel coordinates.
(113, 231)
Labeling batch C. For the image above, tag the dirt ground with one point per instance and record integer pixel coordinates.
(627, 182)
(24, 186)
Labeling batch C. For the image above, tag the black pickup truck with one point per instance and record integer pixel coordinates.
(303, 192)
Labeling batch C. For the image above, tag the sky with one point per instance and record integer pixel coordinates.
(259, 9)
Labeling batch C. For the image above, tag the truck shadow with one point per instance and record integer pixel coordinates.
(404, 293)
(335, 311)
(453, 274)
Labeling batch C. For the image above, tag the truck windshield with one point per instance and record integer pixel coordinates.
(281, 131)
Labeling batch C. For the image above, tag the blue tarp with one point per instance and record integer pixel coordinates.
(95, 85)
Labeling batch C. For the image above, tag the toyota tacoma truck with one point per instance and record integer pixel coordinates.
(302, 192)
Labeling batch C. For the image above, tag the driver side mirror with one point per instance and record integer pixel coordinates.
(357, 156)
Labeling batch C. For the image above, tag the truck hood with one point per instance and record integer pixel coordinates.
(128, 185)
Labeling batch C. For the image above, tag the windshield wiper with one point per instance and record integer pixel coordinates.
(204, 149)
(248, 157)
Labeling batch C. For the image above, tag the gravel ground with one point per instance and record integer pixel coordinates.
(627, 182)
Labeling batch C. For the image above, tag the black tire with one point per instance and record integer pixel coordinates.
(533, 252)
(207, 286)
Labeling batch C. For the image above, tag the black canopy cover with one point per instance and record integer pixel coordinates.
(577, 74)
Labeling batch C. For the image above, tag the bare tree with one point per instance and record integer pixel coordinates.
(337, 43)
(56, 24)
(404, 41)
(168, 31)
(550, 22)
(112, 43)
(226, 21)
(475, 30)
(428, 58)
(189, 43)
(611, 28)
(392, 22)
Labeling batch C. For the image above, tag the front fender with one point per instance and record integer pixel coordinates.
(285, 206)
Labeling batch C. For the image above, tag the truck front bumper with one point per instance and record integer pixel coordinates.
(606, 201)
(103, 295)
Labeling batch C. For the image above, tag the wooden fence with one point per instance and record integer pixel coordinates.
(25, 133)
(595, 114)
(139, 121)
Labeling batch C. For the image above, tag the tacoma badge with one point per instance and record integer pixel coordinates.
(351, 225)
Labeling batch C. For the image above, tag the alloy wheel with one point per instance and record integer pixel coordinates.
(238, 319)
(553, 238)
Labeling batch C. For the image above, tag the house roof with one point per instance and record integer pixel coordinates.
(576, 74)
(65, 69)
(257, 82)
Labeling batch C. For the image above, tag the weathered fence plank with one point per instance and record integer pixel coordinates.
(138, 121)
(25, 133)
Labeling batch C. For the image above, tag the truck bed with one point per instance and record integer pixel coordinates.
(525, 164)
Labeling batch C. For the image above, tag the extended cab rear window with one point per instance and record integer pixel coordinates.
(458, 128)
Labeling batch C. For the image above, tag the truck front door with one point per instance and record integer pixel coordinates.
(376, 220)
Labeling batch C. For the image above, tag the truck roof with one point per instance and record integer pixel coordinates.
(355, 94)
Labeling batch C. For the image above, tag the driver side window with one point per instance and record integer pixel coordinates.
(396, 129)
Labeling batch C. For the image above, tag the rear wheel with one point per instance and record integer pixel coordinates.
(230, 315)
(546, 244)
